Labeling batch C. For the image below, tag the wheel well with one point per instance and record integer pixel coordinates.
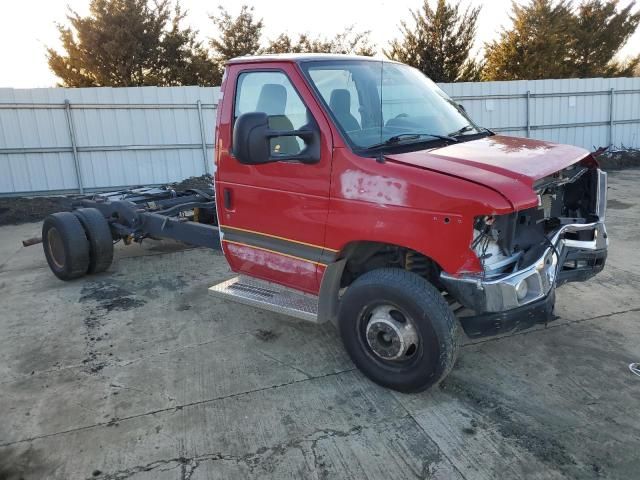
(362, 257)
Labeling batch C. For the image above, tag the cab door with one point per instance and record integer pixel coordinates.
(273, 216)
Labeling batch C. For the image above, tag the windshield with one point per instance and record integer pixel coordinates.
(381, 103)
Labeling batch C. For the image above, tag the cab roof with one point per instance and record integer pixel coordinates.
(302, 57)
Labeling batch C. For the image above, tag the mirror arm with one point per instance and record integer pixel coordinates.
(294, 158)
(290, 133)
(303, 133)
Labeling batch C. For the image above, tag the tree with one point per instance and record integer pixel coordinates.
(238, 36)
(629, 67)
(184, 60)
(350, 42)
(129, 43)
(537, 46)
(347, 42)
(600, 32)
(550, 39)
(439, 42)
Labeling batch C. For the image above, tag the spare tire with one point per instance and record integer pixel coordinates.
(65, 244)
(98, 232)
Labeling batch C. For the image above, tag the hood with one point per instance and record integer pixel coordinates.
(508, 165)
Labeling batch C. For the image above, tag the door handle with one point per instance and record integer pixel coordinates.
(226, 194)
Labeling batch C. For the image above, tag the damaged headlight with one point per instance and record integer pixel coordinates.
(493, 243)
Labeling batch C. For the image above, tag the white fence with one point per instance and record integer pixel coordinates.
(590, 113)
(82, 140)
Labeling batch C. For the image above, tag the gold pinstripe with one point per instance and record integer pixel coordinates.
(279, 238)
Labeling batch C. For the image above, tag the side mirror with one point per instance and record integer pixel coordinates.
(252, 141)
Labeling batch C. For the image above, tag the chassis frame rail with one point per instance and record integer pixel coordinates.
(140, 213)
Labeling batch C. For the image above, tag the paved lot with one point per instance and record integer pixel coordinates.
(138, 373)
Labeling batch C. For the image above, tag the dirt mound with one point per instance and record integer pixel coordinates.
(31, 209)
(614, 159)
(202, 182)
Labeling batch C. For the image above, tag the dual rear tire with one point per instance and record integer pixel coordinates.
(77, 243)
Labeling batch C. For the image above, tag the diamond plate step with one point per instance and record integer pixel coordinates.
(268, 296)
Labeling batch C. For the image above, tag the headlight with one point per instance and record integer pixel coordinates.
(522, 289)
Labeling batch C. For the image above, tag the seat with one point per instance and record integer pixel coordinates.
(340, 104)
(273, 101)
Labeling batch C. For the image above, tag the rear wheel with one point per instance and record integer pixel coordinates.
(100, 240)
(398, 329)
(65, 244)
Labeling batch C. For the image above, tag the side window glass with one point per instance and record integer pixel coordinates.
(273, 94)
(340, 92)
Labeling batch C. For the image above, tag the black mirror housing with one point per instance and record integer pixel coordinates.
(250, 143)
(252, 135)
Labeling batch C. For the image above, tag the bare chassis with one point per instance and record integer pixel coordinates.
(144, 212)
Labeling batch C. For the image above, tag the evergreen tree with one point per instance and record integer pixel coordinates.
(130, 43)
(238, 36)
(550, 39)
(439, 42)
(600, 32)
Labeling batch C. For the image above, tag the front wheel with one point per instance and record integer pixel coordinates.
(398, 329)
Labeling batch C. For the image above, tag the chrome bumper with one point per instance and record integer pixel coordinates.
(501, 294)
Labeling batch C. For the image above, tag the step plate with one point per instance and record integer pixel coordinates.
(268, 296)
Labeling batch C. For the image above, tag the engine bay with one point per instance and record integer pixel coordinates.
(506, 243)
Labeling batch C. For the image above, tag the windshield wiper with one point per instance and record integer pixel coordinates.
(402, 137)
(469, 127)
(462, 130)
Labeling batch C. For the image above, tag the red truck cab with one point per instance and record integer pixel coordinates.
(355, 190)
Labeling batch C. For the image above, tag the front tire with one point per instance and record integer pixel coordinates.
(398, 329)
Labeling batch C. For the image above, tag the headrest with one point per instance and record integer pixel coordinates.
(272, 99)
(340, 101)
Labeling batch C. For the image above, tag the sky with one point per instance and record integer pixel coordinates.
(27, 27)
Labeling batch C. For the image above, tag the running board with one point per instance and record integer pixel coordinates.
(268, 296)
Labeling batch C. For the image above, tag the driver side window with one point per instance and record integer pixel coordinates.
(273, 94)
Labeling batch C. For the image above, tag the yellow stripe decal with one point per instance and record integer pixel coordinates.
(279, 238)
(273, 251)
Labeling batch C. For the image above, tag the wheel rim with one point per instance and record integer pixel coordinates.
(56, 247)
(391, 334)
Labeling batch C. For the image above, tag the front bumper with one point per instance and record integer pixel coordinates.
(496, 303)
(520, 318)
